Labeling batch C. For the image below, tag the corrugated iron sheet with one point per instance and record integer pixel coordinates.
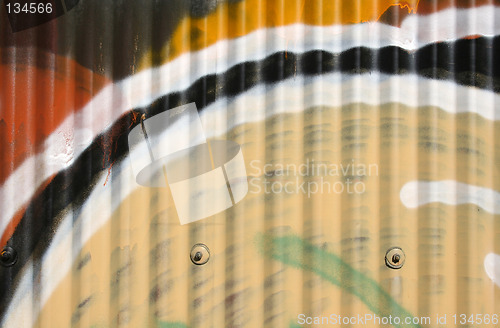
(349, 128)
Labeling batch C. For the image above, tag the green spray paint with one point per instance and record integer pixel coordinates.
(296, 252)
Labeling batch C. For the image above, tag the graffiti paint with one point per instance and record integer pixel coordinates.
(409, 87)
(296, 252)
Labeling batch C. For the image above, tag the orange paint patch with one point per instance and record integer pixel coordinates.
(36, 95)
(232, 20)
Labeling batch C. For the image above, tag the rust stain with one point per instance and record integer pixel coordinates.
(426, 7)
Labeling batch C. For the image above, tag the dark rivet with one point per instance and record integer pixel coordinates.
(395, 258)
(8, 256)
(200, 254)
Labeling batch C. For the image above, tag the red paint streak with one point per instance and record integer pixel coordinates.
(108, 149)
(109, 146)
(36, 94)
(394, 15)
(472, 37)
(407, 6)
(135, 116)
(286, 49)
(107, 153)
(109, 172)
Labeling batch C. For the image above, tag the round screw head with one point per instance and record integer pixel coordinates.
(395, 258)
(8, 256)
(200, 254)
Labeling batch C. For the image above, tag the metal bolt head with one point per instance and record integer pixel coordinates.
(8, 256)
(200, 254)
(395, 258)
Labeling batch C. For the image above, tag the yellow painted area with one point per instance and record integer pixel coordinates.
(138, 268)
(233, 20)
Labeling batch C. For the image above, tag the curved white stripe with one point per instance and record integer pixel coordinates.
(32, 294)
(453, 23)
(256, 104)
(492, 267)
(70, 237)
(418, 193)
(333, 89)
(63, 146)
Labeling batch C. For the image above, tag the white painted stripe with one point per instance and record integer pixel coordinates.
(32, 294)
(450, 192)
(333, 89)
(492, 267)
(255, 105)
(63, 145)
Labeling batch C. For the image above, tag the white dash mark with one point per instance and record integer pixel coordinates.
(417, 193)
(492, 267)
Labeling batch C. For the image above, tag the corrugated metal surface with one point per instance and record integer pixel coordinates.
(363, 125)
